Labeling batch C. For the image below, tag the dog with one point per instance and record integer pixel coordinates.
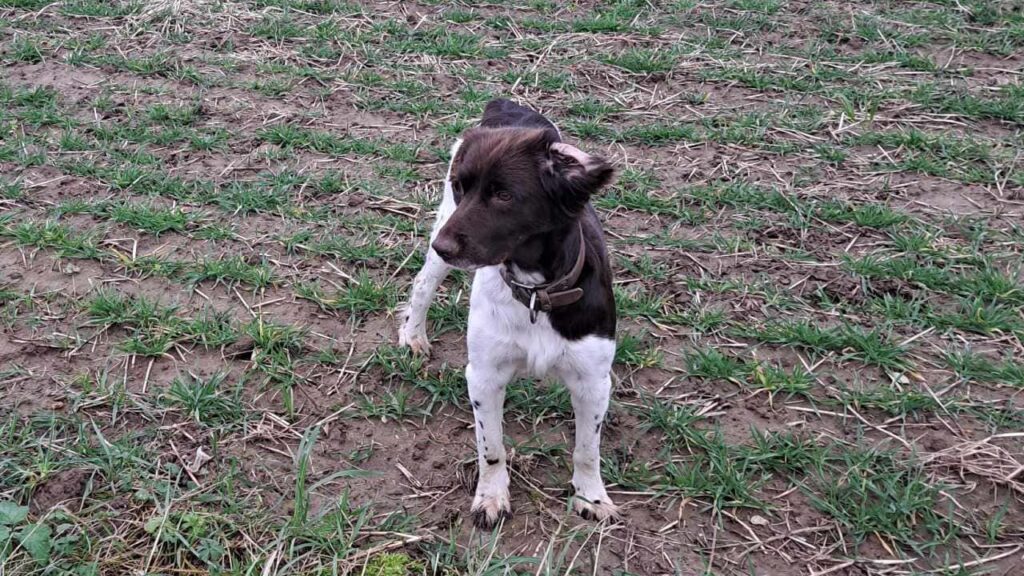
(516, 211)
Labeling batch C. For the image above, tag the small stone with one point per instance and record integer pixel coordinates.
(758, 520)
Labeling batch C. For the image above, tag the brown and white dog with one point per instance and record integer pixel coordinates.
(516, 210)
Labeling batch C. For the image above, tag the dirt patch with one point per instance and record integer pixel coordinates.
(65, 488)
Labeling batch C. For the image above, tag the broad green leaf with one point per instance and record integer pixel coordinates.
(153, 524)
(11, 513)
(35, 538)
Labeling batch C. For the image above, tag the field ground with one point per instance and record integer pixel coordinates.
(211, 211)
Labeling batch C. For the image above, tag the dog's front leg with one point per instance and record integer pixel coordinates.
(413, 329)
(590, 402)
(487, 393)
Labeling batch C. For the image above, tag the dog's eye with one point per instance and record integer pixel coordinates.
(504, 195)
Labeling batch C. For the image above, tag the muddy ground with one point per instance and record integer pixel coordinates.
(212, 211)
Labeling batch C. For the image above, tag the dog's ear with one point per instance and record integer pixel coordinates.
(574, 175)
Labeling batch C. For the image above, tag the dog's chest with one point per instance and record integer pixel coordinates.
(500, 328)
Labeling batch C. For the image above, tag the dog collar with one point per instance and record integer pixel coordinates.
(548, 296)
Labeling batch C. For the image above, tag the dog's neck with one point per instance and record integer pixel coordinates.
(545, 257)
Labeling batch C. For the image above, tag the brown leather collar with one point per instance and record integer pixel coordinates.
(555, 294)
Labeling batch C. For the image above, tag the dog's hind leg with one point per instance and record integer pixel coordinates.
(413, 329)
(589, 403)
(487, 393)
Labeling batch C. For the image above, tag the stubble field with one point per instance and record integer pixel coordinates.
(210, 212)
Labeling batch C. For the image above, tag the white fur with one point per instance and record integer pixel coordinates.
(584, 159)
(413, 330)
(503, 344)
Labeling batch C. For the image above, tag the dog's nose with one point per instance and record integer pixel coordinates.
(447, 247)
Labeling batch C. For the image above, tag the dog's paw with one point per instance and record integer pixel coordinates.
(415, 340)
(418, 343)
(598, 510)
(489, 511)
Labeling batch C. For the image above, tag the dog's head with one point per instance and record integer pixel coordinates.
(511, 185)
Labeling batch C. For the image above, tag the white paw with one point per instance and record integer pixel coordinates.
(599, 509)
(413, 337)
(489, 510)
(590, 500)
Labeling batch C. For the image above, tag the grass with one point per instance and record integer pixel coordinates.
(210, 216)
(146, 217)
(289, 136)
(873, 347)
(641, 61)
(54, 235)
(363, 294)
(939, 273)
(153, 328)
(442, 387)
(971, 366)
(231, 270)
(204, 401)
(632, 350)
(879, 496)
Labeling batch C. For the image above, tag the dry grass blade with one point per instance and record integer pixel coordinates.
(982, 458)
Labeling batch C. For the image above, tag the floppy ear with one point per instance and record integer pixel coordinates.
(574, 175)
